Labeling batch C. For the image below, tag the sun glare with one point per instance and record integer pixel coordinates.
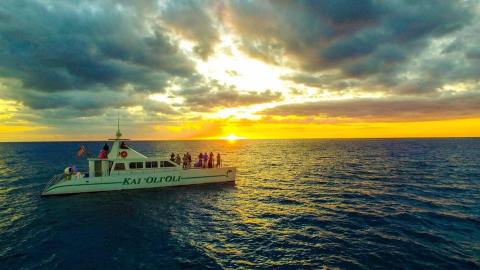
(232, 138)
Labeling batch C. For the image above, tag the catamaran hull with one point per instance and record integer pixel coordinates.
(154, 179)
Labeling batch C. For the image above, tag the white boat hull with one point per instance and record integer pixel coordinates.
(147, 179)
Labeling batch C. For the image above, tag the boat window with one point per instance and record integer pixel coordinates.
(168, 164)
(98, 168)
(136, 165)
(151, 164)
(119, 166)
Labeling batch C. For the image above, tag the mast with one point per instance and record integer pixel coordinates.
(118, 135)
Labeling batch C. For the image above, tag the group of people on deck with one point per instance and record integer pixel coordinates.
(204, 160)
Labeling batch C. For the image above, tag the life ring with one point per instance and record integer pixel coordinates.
(123, 154)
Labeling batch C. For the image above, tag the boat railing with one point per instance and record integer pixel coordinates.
(55, 180)
(159, 169)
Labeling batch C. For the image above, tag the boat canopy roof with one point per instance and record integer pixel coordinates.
(120, 150)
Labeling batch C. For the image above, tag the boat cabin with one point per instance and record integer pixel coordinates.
(122, 159)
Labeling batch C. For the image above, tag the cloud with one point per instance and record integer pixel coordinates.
(206, 130)
(332, 82)
(359, 37)
(159, 107)
(68, 64)
(57, 46)
(210, 95)
(191, 20)
(397, 47)
(209, 101)
(388, 109)
(94, 99)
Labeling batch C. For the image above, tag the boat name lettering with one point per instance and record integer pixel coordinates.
(150, 180)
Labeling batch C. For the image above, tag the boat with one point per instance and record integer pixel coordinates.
(124, 168)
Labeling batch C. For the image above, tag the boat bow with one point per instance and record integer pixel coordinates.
(55, 180)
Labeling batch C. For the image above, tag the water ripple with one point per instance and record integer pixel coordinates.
(305, 204)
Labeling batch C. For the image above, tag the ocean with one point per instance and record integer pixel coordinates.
(296, 204)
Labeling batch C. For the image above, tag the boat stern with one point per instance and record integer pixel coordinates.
(231, 173)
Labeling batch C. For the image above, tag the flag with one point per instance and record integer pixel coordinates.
(81, 151)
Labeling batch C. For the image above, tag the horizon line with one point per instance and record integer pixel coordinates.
(253, 139)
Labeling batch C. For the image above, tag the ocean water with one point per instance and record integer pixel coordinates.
(297, 204)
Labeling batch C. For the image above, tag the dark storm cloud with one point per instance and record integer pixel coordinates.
(444, 65)
(211, 95)
(388, 109)
(80, 101)
(358, 36)
(198, 90)
(201, 100)
(159, 107)
(308, 79)
(330, 82)
(379, 46)
(55, 46)
(191, 20)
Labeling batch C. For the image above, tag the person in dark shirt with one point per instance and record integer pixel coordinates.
(210, 160)
(219, 161)
(123, 145)
(189, 160)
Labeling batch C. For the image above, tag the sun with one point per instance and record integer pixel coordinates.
(232, 138)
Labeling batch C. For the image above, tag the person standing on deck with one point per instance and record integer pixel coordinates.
(205, 160)
(185, 161)
(178, 159)
(200, 160)
(189, 160)
(210, 160)
(104, 152)
(123, 145)
(172, 157)
(106, 148)
(219, 160)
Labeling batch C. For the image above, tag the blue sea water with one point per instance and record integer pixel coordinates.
(297, 204)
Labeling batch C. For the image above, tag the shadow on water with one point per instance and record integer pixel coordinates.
(112, 230)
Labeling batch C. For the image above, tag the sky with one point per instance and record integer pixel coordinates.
(239, 69)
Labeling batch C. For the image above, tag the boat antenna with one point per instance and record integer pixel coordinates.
(118, 135)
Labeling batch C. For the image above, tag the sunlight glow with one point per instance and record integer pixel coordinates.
(8, 108)
(233, 67)
(245, 112)
(232, 137)
(166, 98)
